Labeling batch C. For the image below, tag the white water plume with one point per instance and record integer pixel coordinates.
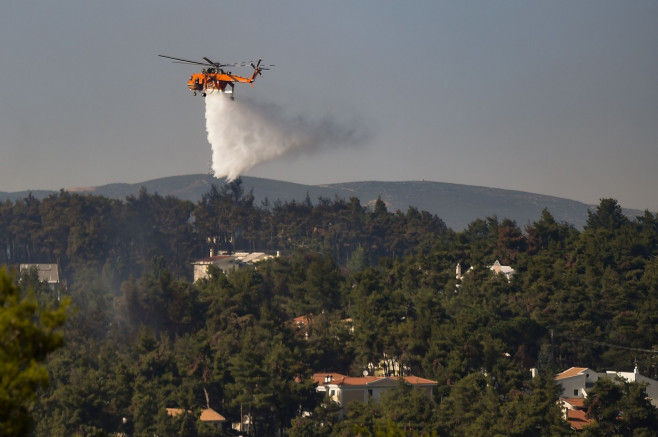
(243, 134)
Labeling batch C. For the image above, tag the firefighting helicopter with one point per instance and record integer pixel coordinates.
(215, 78)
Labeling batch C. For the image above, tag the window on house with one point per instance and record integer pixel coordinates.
(332, 392)
(369, 392)
(575, 392)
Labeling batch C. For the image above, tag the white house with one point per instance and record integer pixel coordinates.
(505, 270)
(344, 389)
(634, 376)
(47, 272)
(226, 262)
(497, 268)
(576, 381)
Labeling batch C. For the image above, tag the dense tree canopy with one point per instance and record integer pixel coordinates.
(375, 287)
(28, 333)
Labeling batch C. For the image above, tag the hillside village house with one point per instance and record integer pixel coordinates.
(226, 262)
(573, 411)
(496, 267)
(208, 415)
(576, 382)
(47, 272)
(302, 324)
(635, 376)
(344, 389)
(502, 270)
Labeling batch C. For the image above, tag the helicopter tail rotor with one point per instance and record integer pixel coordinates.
(258, 68)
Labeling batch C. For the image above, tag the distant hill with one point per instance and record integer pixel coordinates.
(457, 205)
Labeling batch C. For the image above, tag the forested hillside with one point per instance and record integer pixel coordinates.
(373, 283)
(456, 204)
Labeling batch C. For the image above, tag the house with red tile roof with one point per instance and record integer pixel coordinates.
(302, 324)
(344, 389)
(208, 415)
(573, 411)
(576, 381)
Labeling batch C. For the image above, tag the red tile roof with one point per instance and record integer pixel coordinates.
(573, 371)
(577, 419)
(361, 380)
(210, 415)
(574, 402)
(339, 379)
(320, 378)
(301, 320)
(207, 414)
(415, 380)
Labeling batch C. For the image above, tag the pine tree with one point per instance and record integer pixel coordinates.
(28, 334)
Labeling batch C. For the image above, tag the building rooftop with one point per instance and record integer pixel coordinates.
(577, 419)
(574, 402)
(47, 272)
(355, 381)
(572, 371)
(207, 414)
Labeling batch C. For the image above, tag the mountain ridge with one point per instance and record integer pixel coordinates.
(456, 204)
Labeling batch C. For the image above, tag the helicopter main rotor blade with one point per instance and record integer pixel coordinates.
(183, 61)
(220, 65)
(190, 63)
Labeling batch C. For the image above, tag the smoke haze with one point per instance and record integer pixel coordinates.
(243, 133)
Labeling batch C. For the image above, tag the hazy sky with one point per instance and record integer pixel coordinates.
(552, 97)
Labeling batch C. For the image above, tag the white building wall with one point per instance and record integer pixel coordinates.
(651, 384)
(577, 386)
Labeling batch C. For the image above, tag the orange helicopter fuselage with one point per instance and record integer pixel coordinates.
(209, 82)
